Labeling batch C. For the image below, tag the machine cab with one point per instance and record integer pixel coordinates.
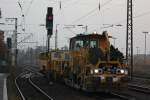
(100, 41)
(83, 41)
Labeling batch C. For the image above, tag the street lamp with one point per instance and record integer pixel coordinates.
(111, 25)
(145, 46)
(137, 50)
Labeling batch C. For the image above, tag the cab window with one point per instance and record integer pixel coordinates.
(93, 44)
(78, 44)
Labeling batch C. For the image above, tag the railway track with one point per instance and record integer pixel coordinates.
(17, 86)
(39, 89)
(112, 96)
(95, 96)
(145, 79)
(29, 90)
(141, 76)
(122, 96)
(139, 88)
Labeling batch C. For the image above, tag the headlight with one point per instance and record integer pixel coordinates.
(115, 79)
(91, 71)
(96, 71)
(126, 72)
(122, 71)
(102, 77)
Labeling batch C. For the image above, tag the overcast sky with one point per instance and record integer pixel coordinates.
(75, 12)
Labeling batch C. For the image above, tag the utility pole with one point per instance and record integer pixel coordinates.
(56, 37)
(145, 47)
(129, 38)
(14, 56)
(122, 49)
(0, 13)
(137, 52)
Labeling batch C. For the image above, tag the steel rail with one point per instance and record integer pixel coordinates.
(139, 88)
(97, 97)
(35, 86)
(39, 89)
(17, 86)
(124, 97)
(34, 71)
(142, 77)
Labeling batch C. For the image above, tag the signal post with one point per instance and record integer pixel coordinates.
(49, 27)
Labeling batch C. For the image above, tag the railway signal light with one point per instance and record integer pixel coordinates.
(49, 21)
(9, 43)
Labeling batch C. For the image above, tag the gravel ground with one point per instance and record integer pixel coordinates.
(11, 87)
(29, 92)
(60, 91)
(137, 95)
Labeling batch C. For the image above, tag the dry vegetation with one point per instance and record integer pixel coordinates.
(140, 67)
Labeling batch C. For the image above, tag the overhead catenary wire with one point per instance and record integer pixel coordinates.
(91, 30)
(22, 16)
(71, 31)
(135, 17)
(99, 24)
(31, 2)
(74, 2)
(20, 5)
(62, 6)
(92, 11)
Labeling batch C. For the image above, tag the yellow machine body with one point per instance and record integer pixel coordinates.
(91, 64)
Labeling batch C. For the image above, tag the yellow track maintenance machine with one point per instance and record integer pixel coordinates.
(91, 64)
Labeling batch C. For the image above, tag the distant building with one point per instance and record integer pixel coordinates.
(41, 49)
(1, 43)
(4, 57)
(3, 49)
(1, 37)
